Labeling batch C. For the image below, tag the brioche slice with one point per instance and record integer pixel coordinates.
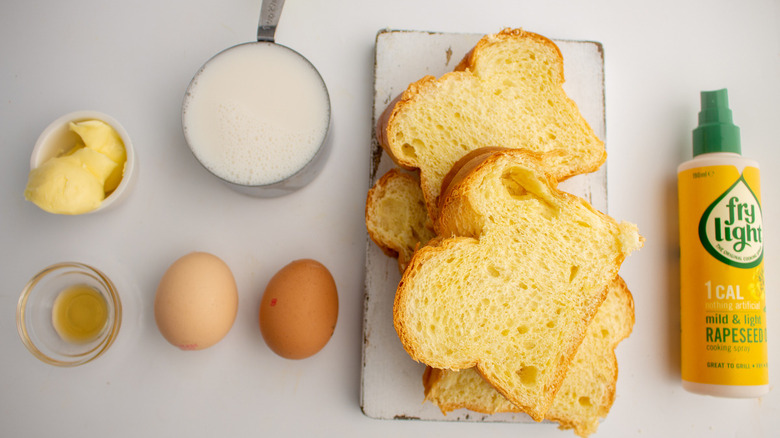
(396, 218)
(508, 91)
(513, 288)
(586, 393)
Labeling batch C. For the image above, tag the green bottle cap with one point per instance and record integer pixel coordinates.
(716, 131)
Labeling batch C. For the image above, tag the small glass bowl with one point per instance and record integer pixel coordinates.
(34, 314)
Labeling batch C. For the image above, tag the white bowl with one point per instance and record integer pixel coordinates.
(57, 139)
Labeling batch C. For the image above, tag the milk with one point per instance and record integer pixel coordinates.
(256, 114)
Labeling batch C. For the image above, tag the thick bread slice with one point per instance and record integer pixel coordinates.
(514, 288)
(396, 218)
(587, 392)
(508, 92)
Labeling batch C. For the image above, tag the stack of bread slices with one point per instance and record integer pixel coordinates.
(510, 292)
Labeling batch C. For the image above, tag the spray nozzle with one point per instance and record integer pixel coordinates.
(716, 131)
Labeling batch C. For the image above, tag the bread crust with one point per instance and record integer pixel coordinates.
(408, 231)
(381, 130)
(462, 167)
(374, 193)
(469, 60)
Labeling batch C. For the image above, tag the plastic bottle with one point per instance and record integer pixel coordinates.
(722, 298)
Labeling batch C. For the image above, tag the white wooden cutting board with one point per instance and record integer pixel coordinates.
(391, 385)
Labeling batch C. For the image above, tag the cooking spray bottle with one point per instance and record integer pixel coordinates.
(722, 298)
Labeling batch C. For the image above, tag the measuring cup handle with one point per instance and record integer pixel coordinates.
(269, 19)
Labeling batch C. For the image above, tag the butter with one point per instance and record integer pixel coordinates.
(64, 186)
(79, 180)
(100, 137)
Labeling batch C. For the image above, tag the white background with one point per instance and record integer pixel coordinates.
(133, 60)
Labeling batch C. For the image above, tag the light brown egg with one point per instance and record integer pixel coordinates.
(299, 309)
(196, 301)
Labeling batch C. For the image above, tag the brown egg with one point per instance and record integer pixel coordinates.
(196, 301)
(299, 309)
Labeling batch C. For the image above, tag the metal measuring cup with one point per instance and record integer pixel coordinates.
(269, 19)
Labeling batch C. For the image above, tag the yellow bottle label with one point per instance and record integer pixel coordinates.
(723, 312)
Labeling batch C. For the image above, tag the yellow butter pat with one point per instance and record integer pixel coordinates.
(101, 137)
(64, 186)
(96, 163)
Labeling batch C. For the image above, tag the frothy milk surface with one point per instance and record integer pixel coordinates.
(256, 114)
